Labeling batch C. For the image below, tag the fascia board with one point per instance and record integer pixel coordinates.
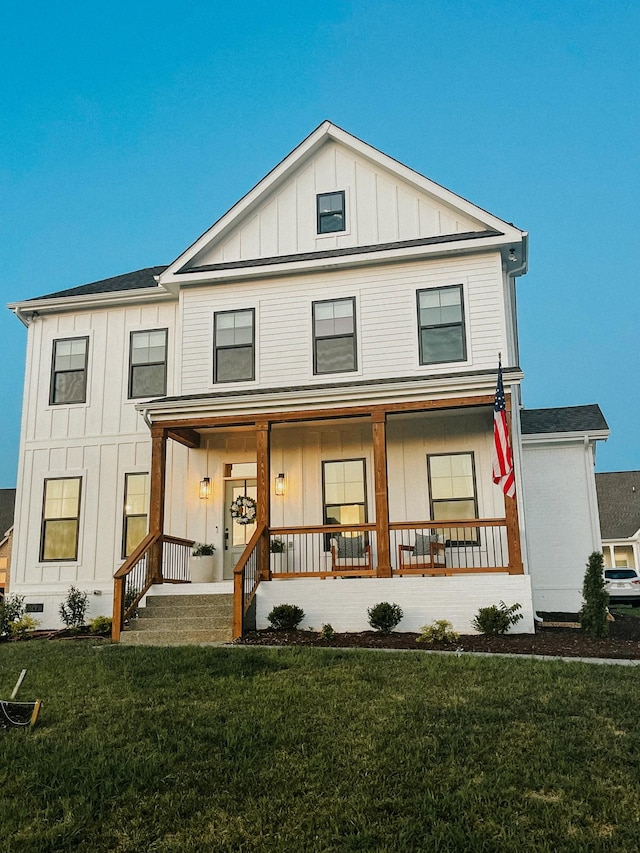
(330, 131)
(388, 256)
(576, 437)
(320, 397)
(90, 300)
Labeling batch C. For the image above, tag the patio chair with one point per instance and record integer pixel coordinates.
(349, 553)
(426, 556)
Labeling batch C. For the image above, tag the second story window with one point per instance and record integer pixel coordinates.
(331, 212)
(69, 371)
(148, 364)
(334, 336)
(441, 325)
(233, 345)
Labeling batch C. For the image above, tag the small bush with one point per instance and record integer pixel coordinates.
(384, 617)
(286, 617)
(593, 615)
(73, 611)
(11, 610)
(100, 625)
(22, 626)
(277, 546)
(327, 632)
(497, 619)
(440, 631)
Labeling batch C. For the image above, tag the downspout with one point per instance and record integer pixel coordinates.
(146, 418)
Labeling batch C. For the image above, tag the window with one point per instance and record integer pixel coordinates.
(60, 519)
(233, 346)
(148, 364)
(69, 371)
(136, 501)
(330, 212)
(334, 336)
(344, 492)
(441, 325)
(452, 491)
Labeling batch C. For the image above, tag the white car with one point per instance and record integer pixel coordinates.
(623, 586)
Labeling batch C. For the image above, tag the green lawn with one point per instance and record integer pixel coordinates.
(205, 749)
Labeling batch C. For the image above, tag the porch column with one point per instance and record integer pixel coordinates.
(511, 516)
(156, 500)
(379, 425)
(263, 515)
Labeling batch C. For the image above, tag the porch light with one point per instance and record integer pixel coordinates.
(205, 488)
(281, 487)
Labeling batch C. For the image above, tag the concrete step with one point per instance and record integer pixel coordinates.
(170, 638)
(183, 623)
(221, 610)
(187, 601)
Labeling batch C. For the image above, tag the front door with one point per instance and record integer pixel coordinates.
(236, 536)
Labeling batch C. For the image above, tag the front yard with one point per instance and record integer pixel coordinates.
(291, 749)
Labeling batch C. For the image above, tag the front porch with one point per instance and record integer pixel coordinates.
(465, 548)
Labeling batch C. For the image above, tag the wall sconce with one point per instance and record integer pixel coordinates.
(281, 487)
(205, 488)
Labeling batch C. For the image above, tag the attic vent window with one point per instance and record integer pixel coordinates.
(330, 212)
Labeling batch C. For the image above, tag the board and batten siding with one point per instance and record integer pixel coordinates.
(386, 321)
(380, 208)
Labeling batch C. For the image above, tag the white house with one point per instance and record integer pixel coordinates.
(326, 352)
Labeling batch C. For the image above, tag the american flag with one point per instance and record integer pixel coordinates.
(502, 459)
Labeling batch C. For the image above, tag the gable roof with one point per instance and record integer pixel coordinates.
(619, 503)
(135, 280)
(7, 508)
(563, 419)
(390, 209)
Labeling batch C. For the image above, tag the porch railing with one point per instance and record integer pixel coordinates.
(320, 552)
(157, 559)
(461, 546)
(246, 577)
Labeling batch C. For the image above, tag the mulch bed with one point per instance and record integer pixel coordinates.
(623, 641)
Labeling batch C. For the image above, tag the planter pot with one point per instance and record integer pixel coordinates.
(205, 569)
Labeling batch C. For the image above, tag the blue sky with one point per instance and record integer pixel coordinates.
(126, 129)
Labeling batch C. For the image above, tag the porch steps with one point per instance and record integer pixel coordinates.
(181, 620)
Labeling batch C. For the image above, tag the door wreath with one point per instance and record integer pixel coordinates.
(243, 510)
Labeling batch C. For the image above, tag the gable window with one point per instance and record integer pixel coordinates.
(148, 364)
(60, 519)
(334, 336)
(136, 501)
(233, 346)
(69, 371)
(441, 325)
(452, 492)
(331, 212)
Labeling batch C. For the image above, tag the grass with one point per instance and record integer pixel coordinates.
(625, 610)
(205, 749)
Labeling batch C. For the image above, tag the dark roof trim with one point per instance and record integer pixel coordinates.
(563, 419)
(339, 253)
(135, 280)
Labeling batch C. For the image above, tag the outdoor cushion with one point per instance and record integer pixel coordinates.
(422, 548)
(350, 547)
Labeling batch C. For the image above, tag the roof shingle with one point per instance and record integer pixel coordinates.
(562, 419)
(128, 281)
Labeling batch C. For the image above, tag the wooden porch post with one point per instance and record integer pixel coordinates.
(156, 500)
(511, 515)
(263, 443)
(379, 426)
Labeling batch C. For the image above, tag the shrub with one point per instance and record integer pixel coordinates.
(11, 610)
(22, 626)
(593, 614)
(203, 549)
(327, 632)
(72, 612)
(497, 619)
(384, 617)
(286, 617)
(277, 546)
(440, 631)
(100, 625)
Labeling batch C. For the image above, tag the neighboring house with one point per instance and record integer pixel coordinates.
(619, 504)
(7, 504)
(328, 349)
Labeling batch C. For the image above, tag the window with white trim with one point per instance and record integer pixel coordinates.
(330, 209)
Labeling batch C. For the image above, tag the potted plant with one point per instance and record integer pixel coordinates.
(278, 558)
(202, 564)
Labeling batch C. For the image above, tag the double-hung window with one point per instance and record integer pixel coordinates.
(69, 371)
(452, 492)
(441, 325)
(234, 345)
(330, 212)
(334, 336)
(148, 364)
(60, 519)
(136, 502)
(344, 492)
